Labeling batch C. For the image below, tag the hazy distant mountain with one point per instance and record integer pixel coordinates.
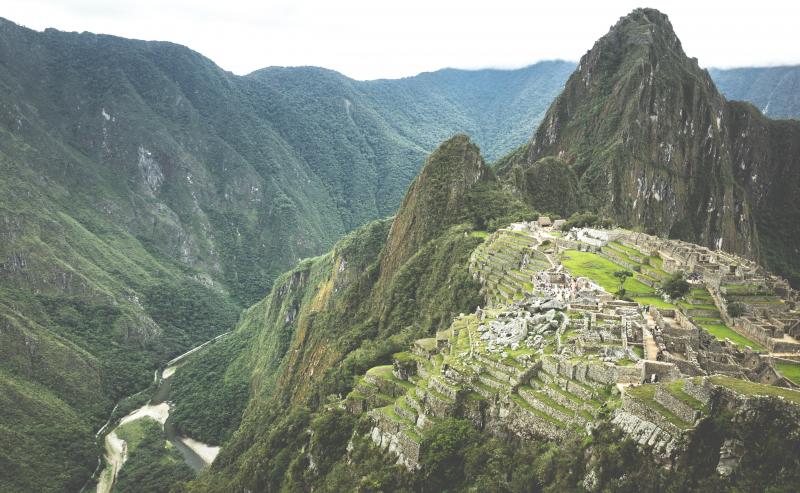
(773, 90)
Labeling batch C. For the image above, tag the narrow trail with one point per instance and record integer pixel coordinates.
(650, 346)
(116, 455)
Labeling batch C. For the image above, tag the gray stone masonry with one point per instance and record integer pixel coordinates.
(675, 405)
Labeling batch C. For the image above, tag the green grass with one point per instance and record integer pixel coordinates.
(522, 403)
(428, 344)
(479, 234)
(646, 394)
(751, 388)
(408, 427)
(627, 250)
(654, 301)
(384, 371)
(700, 294)
(789, 370)
(691, 306)
(747, 290)
(676, 389)
(721, 331)
(601, 270)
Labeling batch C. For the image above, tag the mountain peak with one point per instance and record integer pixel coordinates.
(435, 199)
(636, 34)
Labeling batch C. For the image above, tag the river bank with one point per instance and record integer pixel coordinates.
(196, 454)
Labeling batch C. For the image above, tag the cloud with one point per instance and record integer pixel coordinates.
(371, 39)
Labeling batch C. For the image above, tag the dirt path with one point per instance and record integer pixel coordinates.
(116, 455)
(650, 346)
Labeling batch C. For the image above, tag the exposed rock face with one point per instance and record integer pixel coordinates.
(654, 144)
(730, 454)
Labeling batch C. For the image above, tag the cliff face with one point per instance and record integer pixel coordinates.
(655, 145)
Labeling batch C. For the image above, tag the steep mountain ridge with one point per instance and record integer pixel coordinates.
(383, 285)
(433, 199)
(653, 144)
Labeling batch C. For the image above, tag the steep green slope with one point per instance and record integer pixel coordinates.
(146, 195)
(497, 108)
(654, 145)
(334, 316)
(773, 90)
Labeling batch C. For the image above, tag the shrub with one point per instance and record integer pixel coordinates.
(736, 310)
(676, 286)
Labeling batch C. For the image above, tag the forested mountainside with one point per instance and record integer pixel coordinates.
(334, 316)
(641, 135)
(150, 195)
(773, 90)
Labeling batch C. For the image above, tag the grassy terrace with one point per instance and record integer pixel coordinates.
(789, 370)
(676, 389)
(646, 394)
(697, 306)
(521, 403)
(628, 250)
(651, 263)
(750, 388)
(700, 294)
(747, 290)
(409, 428)
(654, 301)
(601, 270)
(722, 331)
(385, 373)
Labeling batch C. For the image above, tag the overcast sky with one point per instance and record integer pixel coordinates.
(368, 39)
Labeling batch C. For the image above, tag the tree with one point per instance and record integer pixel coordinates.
(676, 286)
(736, 309)
(622, 276)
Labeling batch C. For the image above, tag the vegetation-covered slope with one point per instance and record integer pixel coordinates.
(334, 316)
(148, 194)
(773, 90)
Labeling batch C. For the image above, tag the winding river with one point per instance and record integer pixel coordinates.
(196, 454)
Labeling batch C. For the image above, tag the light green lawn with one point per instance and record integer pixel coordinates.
(721, 331)
(601, 270)
(654, 301)
(789, 370)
